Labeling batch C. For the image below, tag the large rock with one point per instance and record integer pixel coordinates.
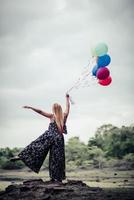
(71, 190)
(39, 190)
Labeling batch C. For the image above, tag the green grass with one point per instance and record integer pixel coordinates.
(94, 178)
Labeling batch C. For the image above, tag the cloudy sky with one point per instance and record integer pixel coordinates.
(44, 46)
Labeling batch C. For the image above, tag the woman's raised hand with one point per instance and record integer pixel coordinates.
(67, 95)
(68, 98)
(28, 107)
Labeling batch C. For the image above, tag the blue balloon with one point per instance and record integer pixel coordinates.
(94, 70)
(103, 60)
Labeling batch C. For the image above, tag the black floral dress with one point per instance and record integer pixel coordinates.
(35, 153)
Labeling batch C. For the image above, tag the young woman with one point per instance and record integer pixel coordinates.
(52, 140)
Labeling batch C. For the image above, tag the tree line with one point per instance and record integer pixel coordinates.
(110, 147)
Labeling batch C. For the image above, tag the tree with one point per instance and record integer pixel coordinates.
(97, 155)
(76, 151)
(115, 142)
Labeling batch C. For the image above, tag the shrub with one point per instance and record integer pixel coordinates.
(12, 165)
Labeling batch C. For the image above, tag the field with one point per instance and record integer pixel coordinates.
(95, 178)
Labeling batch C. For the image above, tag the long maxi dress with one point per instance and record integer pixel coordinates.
(35, 153)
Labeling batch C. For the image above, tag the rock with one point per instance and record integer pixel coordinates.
(37, 189)
(33, 181)
(74, 182)
(11, 188)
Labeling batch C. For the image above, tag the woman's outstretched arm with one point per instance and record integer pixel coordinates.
(48, 115)
(67, 105)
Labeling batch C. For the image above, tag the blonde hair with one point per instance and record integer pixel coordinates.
(58, 115)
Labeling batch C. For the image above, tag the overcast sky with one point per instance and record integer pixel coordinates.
(44, 46)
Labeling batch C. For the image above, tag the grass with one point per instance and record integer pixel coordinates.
(105, 178)
(94, 178)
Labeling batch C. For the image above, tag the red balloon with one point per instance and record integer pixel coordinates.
(103, 73)
(106, 81)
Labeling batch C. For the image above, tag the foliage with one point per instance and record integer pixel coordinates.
(12, 165)
(5, 155)
(76, 151)
(110, 147)
(115, 142)
(98, 156)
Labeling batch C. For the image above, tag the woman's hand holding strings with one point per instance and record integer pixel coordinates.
(28, 107)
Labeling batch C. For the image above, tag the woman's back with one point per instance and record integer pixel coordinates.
(53, 127)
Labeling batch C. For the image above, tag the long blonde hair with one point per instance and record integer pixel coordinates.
(58, 115)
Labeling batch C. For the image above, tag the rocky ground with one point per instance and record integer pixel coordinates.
(71, 190)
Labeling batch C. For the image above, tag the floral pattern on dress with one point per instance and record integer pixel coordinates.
(51, 141)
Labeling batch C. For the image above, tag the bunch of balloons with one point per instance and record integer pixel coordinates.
(100, 70)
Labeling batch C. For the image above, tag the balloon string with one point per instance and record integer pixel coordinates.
(78, 80)
(81, 81)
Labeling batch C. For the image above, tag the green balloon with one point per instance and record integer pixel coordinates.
(101, 49)
(93, 52)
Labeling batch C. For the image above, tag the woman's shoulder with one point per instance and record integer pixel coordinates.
(52, 118)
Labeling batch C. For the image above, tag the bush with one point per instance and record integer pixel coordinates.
(127, 163)
(71, 165)
(129, 157)
(12, 165)
(3, 160)
(129, 160)
(111, 163)
(87, 164)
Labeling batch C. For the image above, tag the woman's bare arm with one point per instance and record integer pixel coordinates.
(48, 115)
(67, 105)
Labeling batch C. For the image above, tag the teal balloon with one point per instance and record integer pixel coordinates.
(103, 60)
(101, 49)
(94, 70)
